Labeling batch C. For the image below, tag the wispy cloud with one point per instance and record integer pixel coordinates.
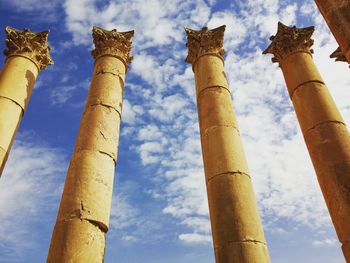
(28, 194)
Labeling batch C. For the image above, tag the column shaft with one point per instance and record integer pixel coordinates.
(323, 128)
(326, 137)
(337, 15)
(83, 217)
(236, 228)
(17, 79)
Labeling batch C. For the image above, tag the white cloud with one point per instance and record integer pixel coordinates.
(62, 94)
(32, 5)
(235, 31)
(131, 113)
(149, 132)
(158, 22)
(195, 238)
(325, 242)
(128, 222)
(28, 193)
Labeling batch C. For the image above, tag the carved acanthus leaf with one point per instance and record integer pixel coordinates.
(112, 43)
(338, 55)
(289, 40)
(204, 42)
(33, 45)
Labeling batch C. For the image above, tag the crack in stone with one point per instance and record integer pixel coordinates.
(103, 135)
(109, 155)
(15, 102)
(107, 106)
(79, 215)
(325, 122)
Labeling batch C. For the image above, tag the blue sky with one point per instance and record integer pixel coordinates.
(159, 212)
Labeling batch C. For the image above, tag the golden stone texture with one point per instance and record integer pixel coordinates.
(337, 15)
(27, 53)
(236, 228)
(324, 130)
(83, 217)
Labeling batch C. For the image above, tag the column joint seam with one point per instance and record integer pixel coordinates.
(228, 173)
(211, 87)
(207, 54)
(242, 241)
(304, 83)
(228, 126)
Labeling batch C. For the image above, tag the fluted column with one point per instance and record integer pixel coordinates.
(236, 228)
(83, 217)
(27, 53)
(324, 130)
(337, 15)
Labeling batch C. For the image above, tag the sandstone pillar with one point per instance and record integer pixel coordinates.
(324, 130)
(83, 217)
(236, 228)
(27, 53)
(337, 15)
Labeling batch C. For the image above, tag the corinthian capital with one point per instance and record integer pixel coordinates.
(289, 40)
(32, 45)
(112, 43)
(204, 42)
(338, 55)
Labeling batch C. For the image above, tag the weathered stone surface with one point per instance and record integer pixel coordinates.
(314, 105)
(83, 217)
(337, 15)
(215, 109)
(252, 252)
(84, 242)
(9, 116)
(90, 196)
(214, 73)
(17, 80)
(99, 131)
(109, 75)
(346, 251)
(325, 134)
(223, 152)
(3, 159)
(338, 55)
(238, 221)
(233, 212)
(27, 52)
(296, 72)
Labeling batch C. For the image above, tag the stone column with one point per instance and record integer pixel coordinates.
(337, 15)
(236, 228)
(83, 217)
(324, 130)
(27, 53)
